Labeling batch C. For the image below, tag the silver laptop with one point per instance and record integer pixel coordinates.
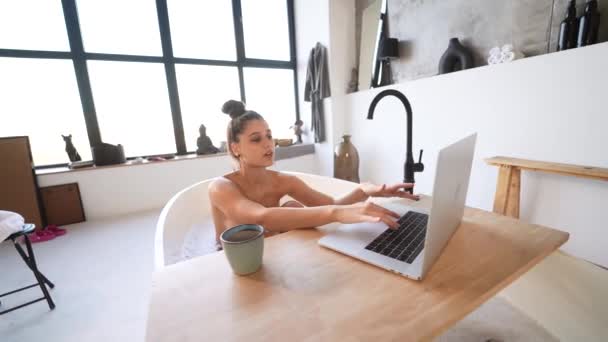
(412, 249)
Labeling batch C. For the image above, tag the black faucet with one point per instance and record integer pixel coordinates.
(409, 167)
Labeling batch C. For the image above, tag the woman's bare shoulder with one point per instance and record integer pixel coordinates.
(282, 177)
(285, 180)
(222, 183)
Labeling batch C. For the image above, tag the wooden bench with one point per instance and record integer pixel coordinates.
(508, 187)
(566, 295)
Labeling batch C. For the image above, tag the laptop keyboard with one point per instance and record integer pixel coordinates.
(404, 243)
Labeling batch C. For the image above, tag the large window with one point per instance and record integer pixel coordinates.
(132, 106)
(54, 111)
(141, 73)
(196, 83)
(270, 92)
(202, 29)
(266, 29)
(122, 27)
(32, 25)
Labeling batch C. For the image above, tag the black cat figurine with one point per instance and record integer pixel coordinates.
(70, 149)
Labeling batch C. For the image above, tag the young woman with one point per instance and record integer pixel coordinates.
(251, 194)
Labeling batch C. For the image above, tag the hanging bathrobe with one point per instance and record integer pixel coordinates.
(317, 88)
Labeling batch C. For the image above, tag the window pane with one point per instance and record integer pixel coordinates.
(202, 29)
(270, 93)
(202, 92)
(266, 29)
(121, 27)
(132, 104)
(33, 25)
(40, 99)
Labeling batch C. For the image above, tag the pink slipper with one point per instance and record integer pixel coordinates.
(40, 236)
(55, 230)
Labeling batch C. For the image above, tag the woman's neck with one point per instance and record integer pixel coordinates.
(253, 175)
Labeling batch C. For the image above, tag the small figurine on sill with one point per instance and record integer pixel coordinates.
(70, 149)
(283, 142)
(297, 130)
(205, 146)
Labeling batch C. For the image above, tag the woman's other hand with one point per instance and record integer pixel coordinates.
(365, 212)
(395, 190)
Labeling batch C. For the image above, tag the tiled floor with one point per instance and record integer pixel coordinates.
(102, 272)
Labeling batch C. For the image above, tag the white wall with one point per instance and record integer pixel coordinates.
(552, 108)
(113, 191)
(342, 44)
(312, 26)
(341, 61)
(338, 36)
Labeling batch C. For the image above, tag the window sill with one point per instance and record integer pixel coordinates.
(281, 153)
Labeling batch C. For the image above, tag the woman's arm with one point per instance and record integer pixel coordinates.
(228, 198)
(310, 197)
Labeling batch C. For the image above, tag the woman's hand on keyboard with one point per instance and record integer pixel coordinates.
(365, 212)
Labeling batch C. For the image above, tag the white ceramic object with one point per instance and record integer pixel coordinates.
(504, 54)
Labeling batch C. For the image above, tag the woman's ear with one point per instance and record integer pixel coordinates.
(234, 147)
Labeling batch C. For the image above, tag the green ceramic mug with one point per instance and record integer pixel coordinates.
(244, 247)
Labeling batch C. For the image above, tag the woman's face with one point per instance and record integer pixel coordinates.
(255, 146)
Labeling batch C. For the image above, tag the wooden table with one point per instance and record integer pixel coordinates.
(305, 291)
(508, 186)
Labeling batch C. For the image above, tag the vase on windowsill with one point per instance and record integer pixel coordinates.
(346, 161)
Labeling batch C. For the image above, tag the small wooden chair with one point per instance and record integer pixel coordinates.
(30, 261)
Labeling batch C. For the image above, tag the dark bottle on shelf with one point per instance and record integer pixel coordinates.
(589, 25)
(568, 30)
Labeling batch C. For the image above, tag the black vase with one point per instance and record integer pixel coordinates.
(455, 58)
(589, 25)
(568, 30)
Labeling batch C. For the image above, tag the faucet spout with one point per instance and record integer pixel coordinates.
(410, 167)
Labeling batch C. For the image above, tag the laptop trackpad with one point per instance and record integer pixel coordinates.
(351, 238)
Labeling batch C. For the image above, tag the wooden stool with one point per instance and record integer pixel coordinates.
(508, 187)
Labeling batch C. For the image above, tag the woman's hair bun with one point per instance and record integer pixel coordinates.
(234, 108)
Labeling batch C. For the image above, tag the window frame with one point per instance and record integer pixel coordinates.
(79, 58)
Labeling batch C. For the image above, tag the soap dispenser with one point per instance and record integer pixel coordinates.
(568, 30)
(589, 24)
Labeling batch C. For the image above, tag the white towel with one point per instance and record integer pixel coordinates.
(494, 59)
(495, 51)
(507, 57)
(10, 223)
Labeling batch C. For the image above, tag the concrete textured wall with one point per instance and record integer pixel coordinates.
(424, 28)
